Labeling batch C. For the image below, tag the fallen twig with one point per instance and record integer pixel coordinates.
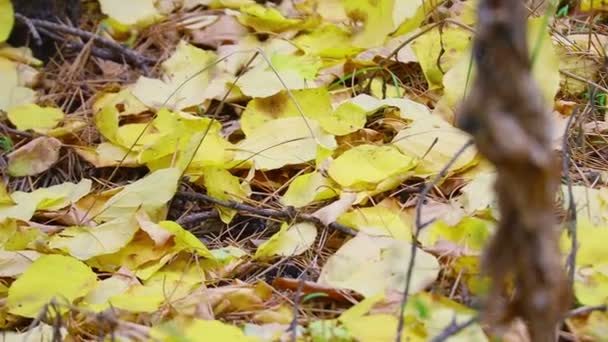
(584, 310)
(454, 328)
(30, 26)
(130, 56)
(287, 214)
(197, 217)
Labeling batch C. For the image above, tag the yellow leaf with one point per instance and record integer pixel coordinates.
(186, 241)
(289, 241)
(213, 331)
(347, 118)
(371, 265)
(65, 279)
(106, 121)
(471, 234)
(308, 188)
(86, 242)
(329, 41)
(107, 154)
(5, 197)
(150, 193)
(379, 221)
(187, 80)
(133, 12)
(380, 18)
(283, 142)
(222, 185)
(374, 164)
(124, 99)
(34, 157)
(438, 51)
(51, 198)
(593, 5)
(434, 142)
(32, 116)
(315, 103)
(172, 282)
(11, 92)
(263, 82)
(98, 299)
(6, 19)
(265, 19)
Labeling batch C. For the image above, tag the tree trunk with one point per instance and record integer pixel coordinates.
(506, 115)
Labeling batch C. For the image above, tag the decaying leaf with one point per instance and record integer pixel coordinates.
(34, 157)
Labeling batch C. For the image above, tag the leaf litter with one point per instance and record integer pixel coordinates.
(293, 118)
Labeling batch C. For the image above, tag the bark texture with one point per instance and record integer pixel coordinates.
(506, 114)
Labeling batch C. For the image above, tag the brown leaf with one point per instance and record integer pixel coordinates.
(34, 157)
(226, 30)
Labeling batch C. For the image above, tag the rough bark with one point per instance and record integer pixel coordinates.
(506, 114)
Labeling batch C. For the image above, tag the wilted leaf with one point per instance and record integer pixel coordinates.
(65, 279)
(32, 116)
(371, 265)
(34, 157)
(13, 263)
(291, 240)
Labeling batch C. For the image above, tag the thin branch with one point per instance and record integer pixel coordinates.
(454, 328)
(30, 26)
(130, 56)
(584, 310)
(197, 217)
(287, 214)
(419, 226)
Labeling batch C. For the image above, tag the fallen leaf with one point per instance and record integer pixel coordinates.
(331, 212)
(32, 116)
(282, 142)
(371, 265)
(379, 221)
(84, 243)
(150, 193)
(291, 240)
(6, 19)
(34, 157)
(308, 188)
(140, 12)
(12, 94)
(65, 279)
(13, 263)
(374, 164)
